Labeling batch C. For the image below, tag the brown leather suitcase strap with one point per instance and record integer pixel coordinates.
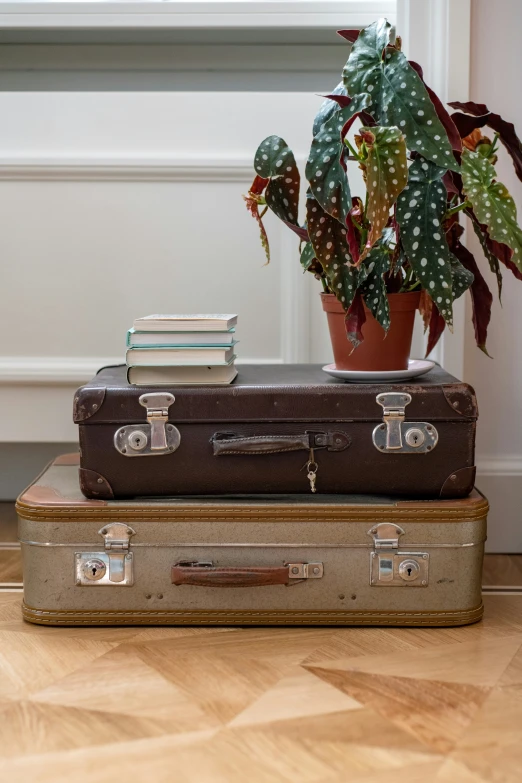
(203, 575)
(231, 443)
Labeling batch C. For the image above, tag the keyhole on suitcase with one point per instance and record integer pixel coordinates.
(94, 569)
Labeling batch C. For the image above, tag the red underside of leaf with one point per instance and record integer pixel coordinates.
(481, 296)
(425, 306)
(499, 249)
(354, 321)
(442, 112)
(253, 208)
(347, 125)
(503, 253)
(258, 185)
(436, 327)
(342, 100)
(480, 116)
(349, 35)
(449, 182)
(351, 235)
(302, 233)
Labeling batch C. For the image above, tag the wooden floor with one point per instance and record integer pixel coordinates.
(313, 705)
(223, 705)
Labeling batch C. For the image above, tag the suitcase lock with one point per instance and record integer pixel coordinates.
(113, 565)
(388, 566)
(396, 436)
(155, 437)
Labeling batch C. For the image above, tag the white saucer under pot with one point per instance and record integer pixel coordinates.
(416, 367)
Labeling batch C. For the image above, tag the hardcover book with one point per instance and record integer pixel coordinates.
(158, 376)
(178, 339)
(195, 355)
(192, 322)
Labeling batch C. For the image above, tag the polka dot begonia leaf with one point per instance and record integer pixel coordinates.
(492, 203)
(386, 176)
(493, 261)
(420, 211)
(307, 256)
(326, 167)
(373, 288)
(275, 160)
(461, 278)
(399, 96)
(328, 239)
(328, 108)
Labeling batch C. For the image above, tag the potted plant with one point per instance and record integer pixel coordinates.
(398, 248)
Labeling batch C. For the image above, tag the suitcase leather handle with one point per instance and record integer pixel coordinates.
(232, 443)
(207, 575)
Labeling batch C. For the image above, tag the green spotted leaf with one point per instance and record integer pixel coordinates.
(491, 202)
(274, 160)
(420, 211)
(328, 108)
(461, 278)
(328, 239)
(307, 256)
(399, 96)
(374, 288)
(492, 259)
(386, 176)
(326, 165)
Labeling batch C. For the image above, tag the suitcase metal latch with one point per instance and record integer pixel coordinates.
(113, 565)
(388, 567)
(396, 436)
(155, 437)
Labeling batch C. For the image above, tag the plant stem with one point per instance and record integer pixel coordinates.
(458, 208)
(263, 212)
(352, 150)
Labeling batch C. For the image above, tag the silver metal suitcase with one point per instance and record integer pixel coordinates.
(297, 559)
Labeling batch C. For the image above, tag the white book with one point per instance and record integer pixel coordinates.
(179, 357)
(170, 376)
(181, 339)
(191, 322)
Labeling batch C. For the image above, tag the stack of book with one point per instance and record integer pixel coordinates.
(174, 349)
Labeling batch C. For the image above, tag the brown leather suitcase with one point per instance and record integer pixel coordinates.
(277, 429)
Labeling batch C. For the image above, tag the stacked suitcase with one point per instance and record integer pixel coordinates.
(285, 479)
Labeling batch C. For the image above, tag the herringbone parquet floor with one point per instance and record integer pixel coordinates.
(264, 705)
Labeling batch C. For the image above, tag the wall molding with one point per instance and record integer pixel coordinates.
(280, 15)
(64, 370)
(182, 168)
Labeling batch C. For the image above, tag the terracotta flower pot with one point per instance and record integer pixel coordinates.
(379, 351)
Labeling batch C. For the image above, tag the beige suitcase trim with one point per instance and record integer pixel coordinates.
(42, 617)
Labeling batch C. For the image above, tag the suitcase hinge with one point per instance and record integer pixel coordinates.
(397, 436)
(114, 565)
(155, 437)
(386, 535)
(393, 568)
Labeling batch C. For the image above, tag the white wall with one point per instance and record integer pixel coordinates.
(496, 76)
